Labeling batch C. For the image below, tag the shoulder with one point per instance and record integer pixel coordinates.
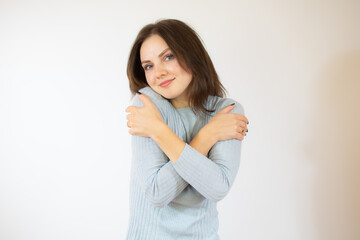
(218, 103)
(151, 94)
(162, 104)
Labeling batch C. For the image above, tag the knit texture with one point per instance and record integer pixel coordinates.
(178, 200)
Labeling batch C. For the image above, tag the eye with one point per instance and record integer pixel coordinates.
(169, 56)
(147, 67)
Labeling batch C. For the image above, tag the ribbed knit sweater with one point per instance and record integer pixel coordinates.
(177, 200)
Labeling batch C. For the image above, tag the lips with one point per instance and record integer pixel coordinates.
(166, 83)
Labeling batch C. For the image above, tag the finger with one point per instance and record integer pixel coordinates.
(227, 109)
(244, 126)
(245, 130)
(241, 130)
(241, 124)
(128, 124)
(131, 109)
(242, 117)
(240, 136)
(144, 99)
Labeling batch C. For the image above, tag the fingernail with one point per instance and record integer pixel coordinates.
(138, 92)
(232, 104)
(247, 130)
(248, 122)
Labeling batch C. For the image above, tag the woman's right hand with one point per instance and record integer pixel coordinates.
(225, 125)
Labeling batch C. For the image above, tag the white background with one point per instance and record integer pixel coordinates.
(64, 146)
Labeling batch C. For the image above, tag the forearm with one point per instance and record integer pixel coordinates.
(211, 176)
(158, 179)
(173, 146)
(203, 141)
(168, 141)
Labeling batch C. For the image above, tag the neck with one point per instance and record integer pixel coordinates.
(177, 104)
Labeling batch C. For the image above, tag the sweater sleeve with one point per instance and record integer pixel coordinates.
(213, 176)
(157, 176)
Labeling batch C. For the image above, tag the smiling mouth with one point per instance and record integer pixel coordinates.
(166, 83)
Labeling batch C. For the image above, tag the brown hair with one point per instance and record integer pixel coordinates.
(185, 43)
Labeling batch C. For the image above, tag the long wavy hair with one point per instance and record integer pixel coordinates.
(187, 46)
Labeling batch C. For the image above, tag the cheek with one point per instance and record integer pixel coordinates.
(178, 70)
(187, 77)
(149, 78)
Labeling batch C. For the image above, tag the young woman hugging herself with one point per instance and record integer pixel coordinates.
(186, 136)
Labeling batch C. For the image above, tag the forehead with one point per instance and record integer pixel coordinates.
(152, 47)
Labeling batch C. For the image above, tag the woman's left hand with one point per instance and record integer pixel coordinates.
(143, 121)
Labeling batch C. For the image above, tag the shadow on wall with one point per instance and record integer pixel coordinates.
(336, 144)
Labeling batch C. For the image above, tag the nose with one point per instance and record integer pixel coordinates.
(160, 71)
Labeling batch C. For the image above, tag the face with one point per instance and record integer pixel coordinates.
(163, 72)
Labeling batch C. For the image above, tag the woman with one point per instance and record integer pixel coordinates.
(186, 144)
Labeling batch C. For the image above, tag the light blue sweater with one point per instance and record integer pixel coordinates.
(178, 200)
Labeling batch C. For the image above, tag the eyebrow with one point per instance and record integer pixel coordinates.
(162, 53)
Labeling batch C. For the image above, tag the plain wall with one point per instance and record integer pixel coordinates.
(64, 144)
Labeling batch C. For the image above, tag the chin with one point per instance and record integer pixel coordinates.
(165, 94)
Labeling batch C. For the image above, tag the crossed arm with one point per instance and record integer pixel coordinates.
(163, 180)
